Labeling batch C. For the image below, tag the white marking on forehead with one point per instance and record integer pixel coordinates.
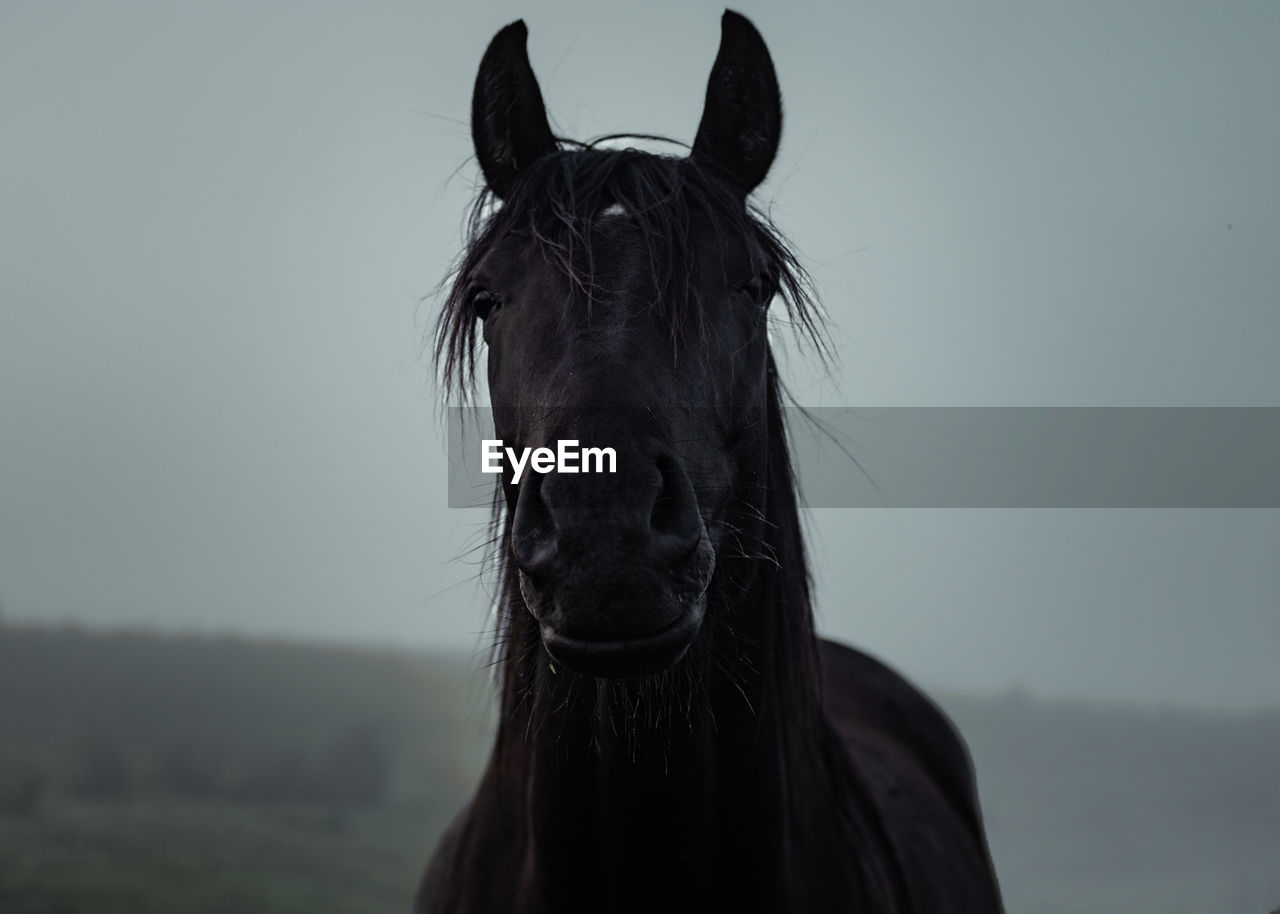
(614, 209)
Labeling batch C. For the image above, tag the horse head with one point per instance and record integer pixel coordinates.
(623, 298)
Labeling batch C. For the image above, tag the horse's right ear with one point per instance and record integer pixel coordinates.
(742, 118)
(508, 119)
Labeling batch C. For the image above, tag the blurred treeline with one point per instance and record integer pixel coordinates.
(149, 774)
(143, 773)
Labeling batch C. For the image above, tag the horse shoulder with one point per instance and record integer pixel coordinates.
(864, 697)
(906, 750)
(433, 876)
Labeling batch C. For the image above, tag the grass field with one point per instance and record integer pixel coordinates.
(146, 774)
(170, 856)
(149, 774)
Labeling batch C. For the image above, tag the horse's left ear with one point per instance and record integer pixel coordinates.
(508, 119)
(742, 118)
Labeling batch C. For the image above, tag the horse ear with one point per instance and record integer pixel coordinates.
(742, 117)
(508, 119)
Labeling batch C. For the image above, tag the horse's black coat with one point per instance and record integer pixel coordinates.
(673, 737)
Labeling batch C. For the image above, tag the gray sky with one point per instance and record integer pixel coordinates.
(217, 223)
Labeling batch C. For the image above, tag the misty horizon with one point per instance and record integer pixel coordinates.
(224, 227)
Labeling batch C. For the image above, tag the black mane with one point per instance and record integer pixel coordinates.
(560, 197)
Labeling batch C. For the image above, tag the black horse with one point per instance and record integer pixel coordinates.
(673, 737)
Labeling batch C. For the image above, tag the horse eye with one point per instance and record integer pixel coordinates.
(483, 303)
(761, 287)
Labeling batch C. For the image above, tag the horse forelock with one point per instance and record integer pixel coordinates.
(562, 197)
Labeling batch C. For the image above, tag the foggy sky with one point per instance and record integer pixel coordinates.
(221, 228)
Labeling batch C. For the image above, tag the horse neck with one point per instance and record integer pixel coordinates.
(633, 812)
(631, 797)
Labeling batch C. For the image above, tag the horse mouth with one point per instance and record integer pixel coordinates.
(642, 655)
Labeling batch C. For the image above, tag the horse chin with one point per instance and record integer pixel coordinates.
(609, 617)
(643, 655)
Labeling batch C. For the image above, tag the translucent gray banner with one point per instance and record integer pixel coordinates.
(998, 457)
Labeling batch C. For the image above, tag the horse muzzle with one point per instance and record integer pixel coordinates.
(614, 569)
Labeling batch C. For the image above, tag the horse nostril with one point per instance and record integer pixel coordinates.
(674, 522)
(533, 541)
(665, 507)
(565, 523)
(533, 558)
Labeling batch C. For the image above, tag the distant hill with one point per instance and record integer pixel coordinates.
(143, 773)
(157, 774)
(1093, 807)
